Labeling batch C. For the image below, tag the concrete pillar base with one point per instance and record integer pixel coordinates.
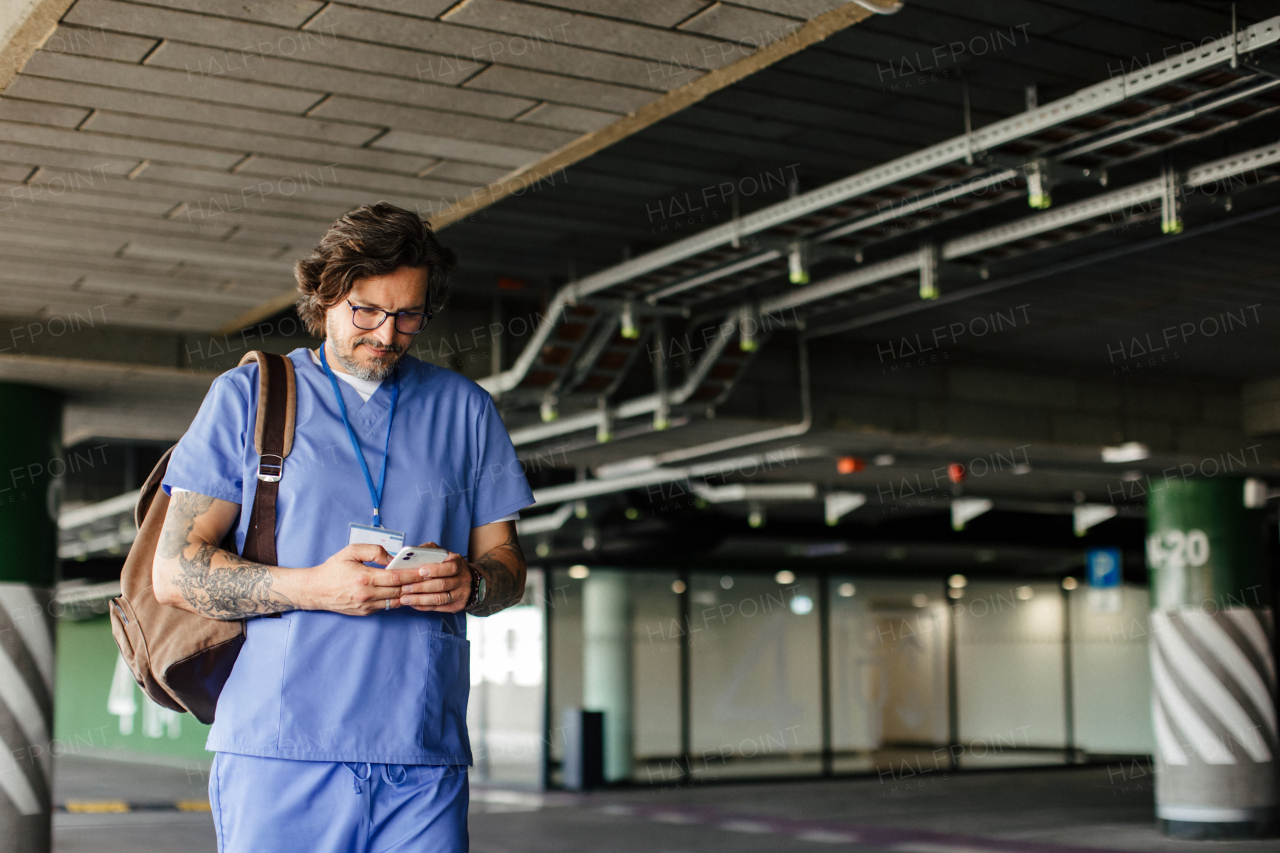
(1236, 830)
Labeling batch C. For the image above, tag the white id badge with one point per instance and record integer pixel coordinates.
(363, 534)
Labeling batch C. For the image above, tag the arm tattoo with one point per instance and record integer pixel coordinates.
(504, 586)
(184, 509)
(233, 590)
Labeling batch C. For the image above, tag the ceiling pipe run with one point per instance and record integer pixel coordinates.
(645, 405)
(641, 463)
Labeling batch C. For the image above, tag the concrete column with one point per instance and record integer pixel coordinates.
(1213, 669)
(606, 664)
(30, 465)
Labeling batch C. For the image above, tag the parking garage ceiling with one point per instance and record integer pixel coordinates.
(188, 151)
(123, 145)
(173, 147)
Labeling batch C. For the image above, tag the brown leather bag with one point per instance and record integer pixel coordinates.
(179, 658)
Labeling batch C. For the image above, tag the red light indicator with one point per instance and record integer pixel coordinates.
(850, 464)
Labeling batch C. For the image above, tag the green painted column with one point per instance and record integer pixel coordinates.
(31, 467)
(606, 664)
(1212, 661)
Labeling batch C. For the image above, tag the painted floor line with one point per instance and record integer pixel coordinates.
(891, 837)
(124, 807)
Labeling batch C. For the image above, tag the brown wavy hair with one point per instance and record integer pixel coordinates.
(369, 241)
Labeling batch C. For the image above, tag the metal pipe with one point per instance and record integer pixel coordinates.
(1086, 101)
(1106, 203)
(646, 471)
(1038, 273)
(631, 408)
(657, 476)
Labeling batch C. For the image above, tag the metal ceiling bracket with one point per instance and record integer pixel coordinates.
(748, 327)
(630, 330)
(662, 411)
(798, 262)
(1038, 185)
(604, 430)
(1170, 199)
(1235, 39)
(929, 270)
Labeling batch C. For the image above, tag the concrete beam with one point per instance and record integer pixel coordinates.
(126, 401)
(25, 25)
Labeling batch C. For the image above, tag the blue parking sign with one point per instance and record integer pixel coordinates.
(1104, 567)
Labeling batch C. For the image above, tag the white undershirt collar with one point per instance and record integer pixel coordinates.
(364, 387)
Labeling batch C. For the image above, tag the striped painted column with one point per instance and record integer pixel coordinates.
(30, 477)
(1212, 663)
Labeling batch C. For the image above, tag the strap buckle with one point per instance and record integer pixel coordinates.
(270, 472)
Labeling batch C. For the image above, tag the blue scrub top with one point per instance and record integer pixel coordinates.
(390, 687)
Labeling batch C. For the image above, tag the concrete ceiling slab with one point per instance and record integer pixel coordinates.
(179, 106)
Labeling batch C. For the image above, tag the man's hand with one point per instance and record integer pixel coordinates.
(445, 587)
(438, 587)
(191, 572)
(343, 584)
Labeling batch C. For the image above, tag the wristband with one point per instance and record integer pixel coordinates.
(479, 587)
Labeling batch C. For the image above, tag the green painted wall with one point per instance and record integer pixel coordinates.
(30, 456)
(83, 722)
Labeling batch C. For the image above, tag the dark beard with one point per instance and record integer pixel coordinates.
(376, 372)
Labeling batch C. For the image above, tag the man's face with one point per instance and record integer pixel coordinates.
(372, 354)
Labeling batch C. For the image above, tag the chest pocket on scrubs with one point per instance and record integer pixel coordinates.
(448, 684)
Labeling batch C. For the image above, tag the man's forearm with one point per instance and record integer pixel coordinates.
(200, 577)
(503, 568)
(222, 585)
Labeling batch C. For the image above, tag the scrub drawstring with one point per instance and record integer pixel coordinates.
(387, 773)
(358, 778)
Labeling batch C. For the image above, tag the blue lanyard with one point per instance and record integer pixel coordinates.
(374, 494)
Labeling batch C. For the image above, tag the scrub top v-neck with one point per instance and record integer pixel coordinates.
(390, 687)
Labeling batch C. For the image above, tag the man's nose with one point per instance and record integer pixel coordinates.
(386, 333)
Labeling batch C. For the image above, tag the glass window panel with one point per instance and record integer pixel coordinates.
(754, 675)
(656, 673)
(1009, 672)
(566, 652)
(1111, 672)
(888, 673)
(504, 715)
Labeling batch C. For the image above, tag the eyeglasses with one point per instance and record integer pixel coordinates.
(407, 322)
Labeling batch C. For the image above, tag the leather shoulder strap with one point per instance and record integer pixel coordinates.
(273, 439)
(277, 403)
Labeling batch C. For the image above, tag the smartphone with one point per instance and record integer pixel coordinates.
(413, 558)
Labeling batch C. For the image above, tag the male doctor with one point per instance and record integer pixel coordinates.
(343, 724)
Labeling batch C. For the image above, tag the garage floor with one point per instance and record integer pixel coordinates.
(1038, 811)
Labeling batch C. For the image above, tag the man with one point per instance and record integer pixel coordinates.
(343, 724)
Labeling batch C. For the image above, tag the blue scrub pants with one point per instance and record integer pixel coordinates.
(277, 804)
